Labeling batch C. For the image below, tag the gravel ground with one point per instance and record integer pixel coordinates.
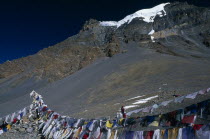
(101, 88)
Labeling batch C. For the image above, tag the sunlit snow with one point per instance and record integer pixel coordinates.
(145, 100)
(152, 38)
(148, 15)
(134, 98)
(151, 32)
(130, 106)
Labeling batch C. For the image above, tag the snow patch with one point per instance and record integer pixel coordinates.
(130, 106)
(151, 32)
(134, 98)
(145, 100)
(117, 104)
(148, 15)
(152, 38)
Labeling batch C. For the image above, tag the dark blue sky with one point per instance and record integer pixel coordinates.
(27, 26)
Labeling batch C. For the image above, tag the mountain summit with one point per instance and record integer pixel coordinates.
(147, 15)
(108, 62)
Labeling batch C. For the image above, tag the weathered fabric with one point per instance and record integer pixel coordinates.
(179, 115)
(147, 109)
(138, 135)
(154, 107)
(92, 125)
(8, 119)
(112, 134)
(149, 135)
(96, 133)
(121, 133)
(162, 132)
(203, 132)
(180, 134)
(109, 124)
(115, 135)
(188, 133)
(109, 133)
(201, 92)
(173, 133)
(129, 135)
(192, 96)
(52, 132)
(197, 126)
(165, 103)
(104, 135)
(165, 135)
(154, 123)
(135, 111)
(77, 123)
(179, 99)
(12, 117)
(1, 132)
(156, 134)
(47, 132)
(189, 119)
(8, 126)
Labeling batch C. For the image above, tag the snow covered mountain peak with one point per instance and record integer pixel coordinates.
(148, 15)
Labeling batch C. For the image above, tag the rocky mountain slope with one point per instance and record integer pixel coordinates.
(109, 62)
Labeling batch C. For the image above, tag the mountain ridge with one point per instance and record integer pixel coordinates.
(182, 36)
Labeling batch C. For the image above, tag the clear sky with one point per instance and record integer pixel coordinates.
(27, 26)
